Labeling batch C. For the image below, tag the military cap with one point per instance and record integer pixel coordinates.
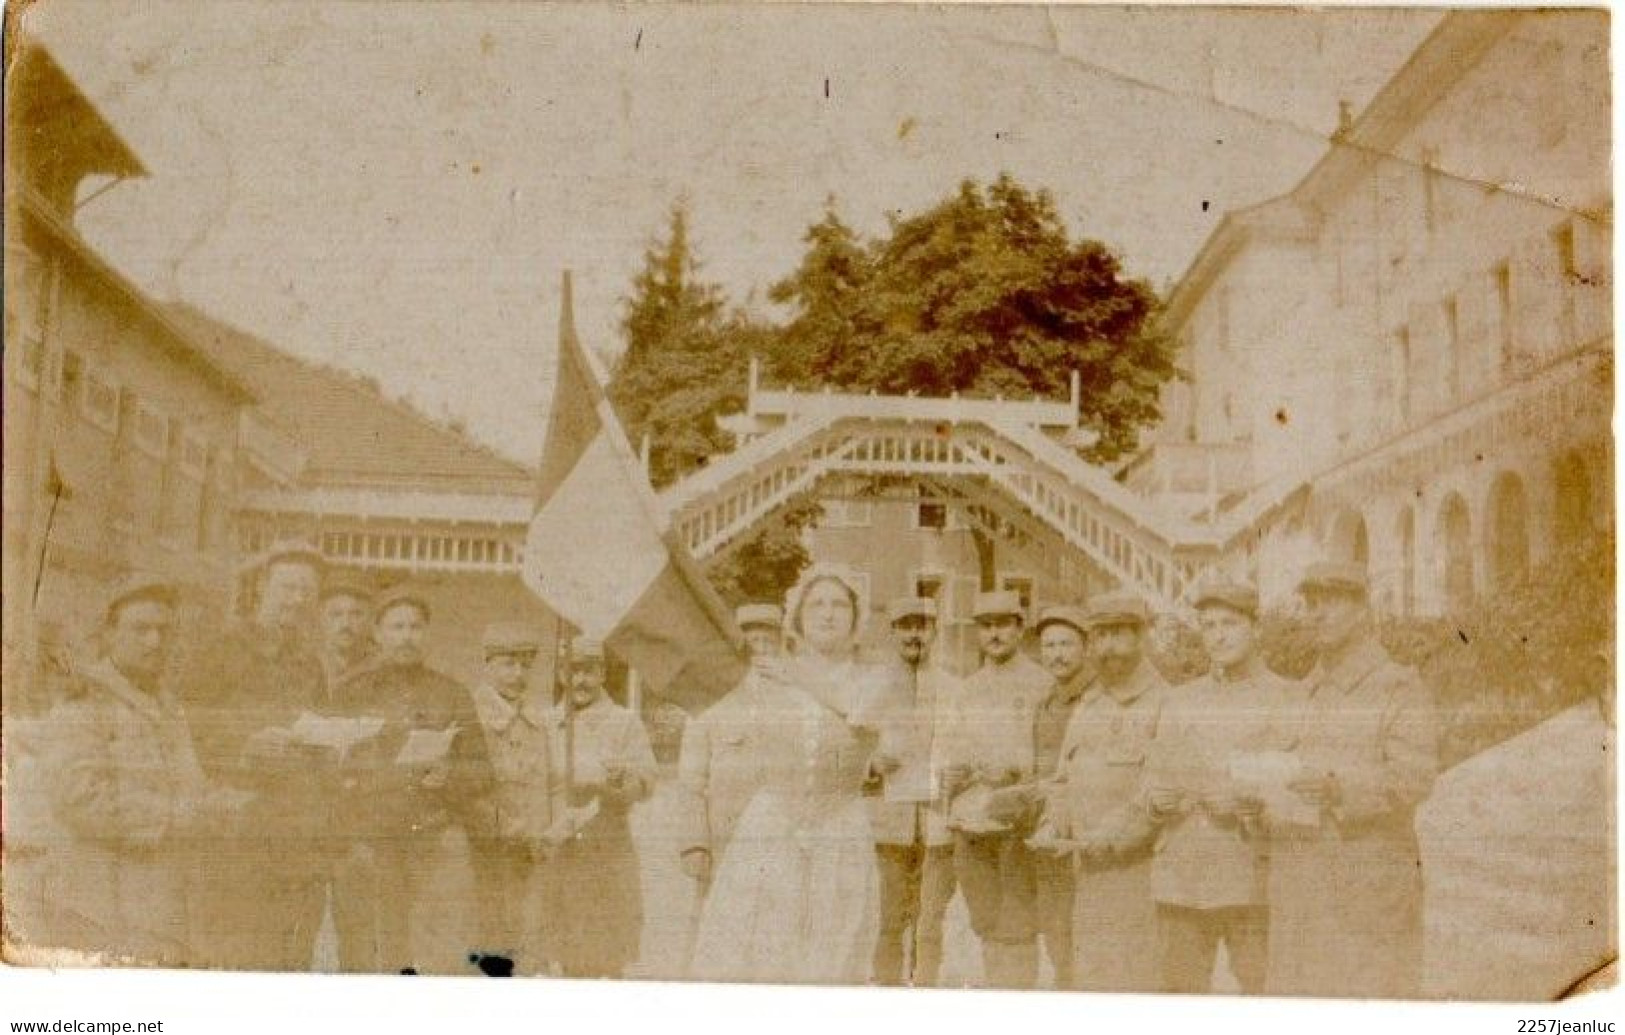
(1117, 608)
(1238, 596)
(771, 615)
(585, 647)
(403, 595)
(140, 586)
(288, 550)
(509, 638)
(996, 603)
(1334, 577)
(1064, 614)
(911, 607)
(346, 586)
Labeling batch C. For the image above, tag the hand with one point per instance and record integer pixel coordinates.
(956, 775)
(1249, 807)
(697, 864)
(434, 779)
(1318, 789)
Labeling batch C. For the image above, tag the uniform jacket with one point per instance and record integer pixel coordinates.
(1203, 860)
(1346, 895)
(991, 727)
(388, 800)
(727, 755)
(518, 737)
(128, 797)
(913, 722)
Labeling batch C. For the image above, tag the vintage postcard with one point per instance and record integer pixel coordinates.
(1096, 499)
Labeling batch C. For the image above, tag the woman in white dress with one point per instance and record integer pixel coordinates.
(796, 896)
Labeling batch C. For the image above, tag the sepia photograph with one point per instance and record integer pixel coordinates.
(1081, 499)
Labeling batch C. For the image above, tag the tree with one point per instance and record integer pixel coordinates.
(684, 360)
(685, 363)
(983, 294)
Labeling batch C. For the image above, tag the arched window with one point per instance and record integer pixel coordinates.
(1455, 538)
(1571, 488)
(1508, 532)
(1348, 540)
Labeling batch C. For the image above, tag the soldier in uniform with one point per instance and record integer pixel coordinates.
(346, 622)
(264, 892)
(427, 768)
(604, 765)
(728, 748)
(515, 720)
(912, 843)
(1063, 650)
(129, 795)
(1099, 806)
(1345, 890)
(1209, 874)
(988, 781)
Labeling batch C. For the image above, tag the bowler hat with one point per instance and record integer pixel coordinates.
(139, 586)
(770, 615)
(1117, 608)
(403, 595)
(509, 638)
(1238, 596)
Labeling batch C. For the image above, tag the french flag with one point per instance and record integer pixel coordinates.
(599, 551)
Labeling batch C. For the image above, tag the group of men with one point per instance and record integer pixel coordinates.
(1081, 804)
(307, 762)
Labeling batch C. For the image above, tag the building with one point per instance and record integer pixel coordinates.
(122, 439)
(383, 490)
(1421, 330)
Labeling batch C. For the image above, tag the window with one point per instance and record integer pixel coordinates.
(1022, 586)
(929, 584)
(73, 373)
(151, 431)
(1453, 345)
(99, 400)
(931, 515)
(1431, 200)
(1568, 270)
(1502, 275)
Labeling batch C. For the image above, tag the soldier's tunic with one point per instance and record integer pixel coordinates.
(400, 820)
(1101, 768)
(593, 887)
(1346, 895)
(517, 734)
(1209, 872)
(726, 753)
(992, 728)
(126, 796)
(1054, 882)
(913, 844)
(262, 897)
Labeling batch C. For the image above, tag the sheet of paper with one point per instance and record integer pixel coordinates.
(1265, 774)
(426, 747)
(341, 733)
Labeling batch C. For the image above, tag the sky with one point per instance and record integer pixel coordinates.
(396, 188)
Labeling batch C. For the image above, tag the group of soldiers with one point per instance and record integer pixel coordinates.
(307, 763)
(1129, 828)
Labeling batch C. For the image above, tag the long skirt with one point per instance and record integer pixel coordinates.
(796, 896)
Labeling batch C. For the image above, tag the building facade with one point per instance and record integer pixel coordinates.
(123, 441)
(1421, 330)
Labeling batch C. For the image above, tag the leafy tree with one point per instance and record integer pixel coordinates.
(983, 294)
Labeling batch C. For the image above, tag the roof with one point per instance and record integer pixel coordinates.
(44, 99)
(172, 334)
(353, 434)
(1447, 54)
